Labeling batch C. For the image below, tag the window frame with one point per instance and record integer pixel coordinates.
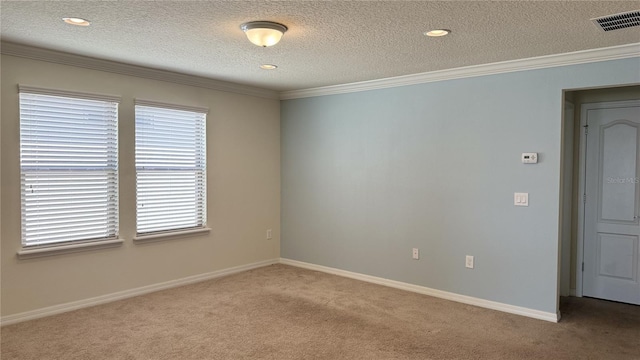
(45, 248)
(163, 234)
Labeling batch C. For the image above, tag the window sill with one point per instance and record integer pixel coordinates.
(29, 253)
(170, 235)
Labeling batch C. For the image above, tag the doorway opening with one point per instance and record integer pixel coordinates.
(600, 194)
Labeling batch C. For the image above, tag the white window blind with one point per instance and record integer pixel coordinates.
(69, 167)
(170, 169)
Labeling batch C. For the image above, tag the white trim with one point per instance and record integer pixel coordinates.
(58, 57)
(582, 181)
(35, 252)
(75, 305)
(532, 313)
(564, 257)
(66, 93)
(169, 234)
(572, 58)
(581, 191)
(541, 62)
(158, 104)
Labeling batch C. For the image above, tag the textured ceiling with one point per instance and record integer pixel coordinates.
(328, 43)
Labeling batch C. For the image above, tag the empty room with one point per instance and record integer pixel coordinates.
(320, 180)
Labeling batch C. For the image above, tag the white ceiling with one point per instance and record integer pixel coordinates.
(328, 43)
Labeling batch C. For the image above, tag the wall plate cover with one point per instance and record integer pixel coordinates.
(468, 262)
(521, 199)
(529, 158)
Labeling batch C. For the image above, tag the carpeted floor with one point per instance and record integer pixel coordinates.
(283, 312)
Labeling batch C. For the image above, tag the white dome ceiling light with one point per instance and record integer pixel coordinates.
(263, 33)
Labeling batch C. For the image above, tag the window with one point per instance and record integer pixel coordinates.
(68, 167)
(170, 168)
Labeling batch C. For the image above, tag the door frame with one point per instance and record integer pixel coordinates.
(567, 197)
(582, 168)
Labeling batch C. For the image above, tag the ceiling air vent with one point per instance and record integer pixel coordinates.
(618, 21)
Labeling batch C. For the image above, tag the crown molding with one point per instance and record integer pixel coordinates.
(541, 62)
(572, 58)
(59, 57)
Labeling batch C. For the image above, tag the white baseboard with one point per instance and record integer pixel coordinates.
(532, 313)
(75, 305)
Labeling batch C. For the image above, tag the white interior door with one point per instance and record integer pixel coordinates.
(612, 224)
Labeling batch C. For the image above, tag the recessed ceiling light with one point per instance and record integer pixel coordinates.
(268, 67)
(76, 21)
(437, 32)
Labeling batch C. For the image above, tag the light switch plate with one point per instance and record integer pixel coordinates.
(521, 199)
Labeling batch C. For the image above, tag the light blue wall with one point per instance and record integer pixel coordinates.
(367, 176)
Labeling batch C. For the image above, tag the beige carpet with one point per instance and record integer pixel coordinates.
(282, 312)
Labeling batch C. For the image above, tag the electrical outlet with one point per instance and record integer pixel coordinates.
(469, 262)
(269, 234)
(416, 254)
